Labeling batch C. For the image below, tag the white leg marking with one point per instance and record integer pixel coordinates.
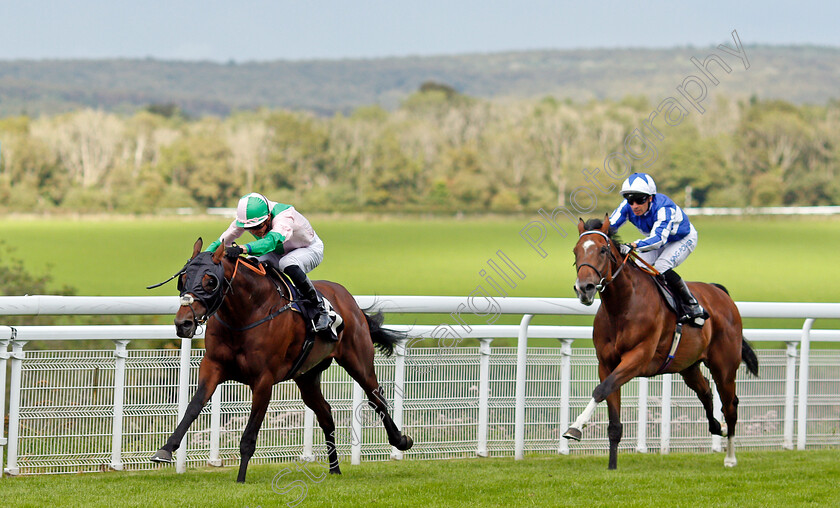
(730, 460)
(584, 417)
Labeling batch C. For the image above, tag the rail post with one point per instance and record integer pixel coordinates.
(308, 454)
(214, 458)
(5, 338)
(804, 361)
(120, 355)
(641, 440)
(565, 391)
(17, 356)
(399, 393)
(665, 425)
(483, 396)
(356, 425)
(717, 410)
(790, 395)
(521, 366)
(183, 400)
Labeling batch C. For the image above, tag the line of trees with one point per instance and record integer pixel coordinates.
(440, 151)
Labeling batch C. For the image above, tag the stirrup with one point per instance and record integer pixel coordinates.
(697, 320)
(321, 315)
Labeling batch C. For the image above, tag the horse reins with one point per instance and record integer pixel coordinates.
(260, 271)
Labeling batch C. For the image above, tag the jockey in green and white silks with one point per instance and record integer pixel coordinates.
(670, 235)
(284, 238)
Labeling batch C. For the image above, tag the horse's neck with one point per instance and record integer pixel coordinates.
(628, 289)
(249, 291)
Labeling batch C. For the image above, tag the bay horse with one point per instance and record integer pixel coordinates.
(252, 337)
(634, 330)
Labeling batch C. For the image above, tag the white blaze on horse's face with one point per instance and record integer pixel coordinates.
(587, 244)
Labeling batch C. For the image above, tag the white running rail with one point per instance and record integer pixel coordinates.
(75, 411)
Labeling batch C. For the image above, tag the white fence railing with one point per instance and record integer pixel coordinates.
(75, 411)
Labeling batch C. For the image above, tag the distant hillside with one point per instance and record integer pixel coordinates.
(800, 74)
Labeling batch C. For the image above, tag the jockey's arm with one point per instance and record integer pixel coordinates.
(619, 215)
(269, 243)
(659, 233)
(231, 233)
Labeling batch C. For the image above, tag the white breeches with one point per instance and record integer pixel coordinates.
(673, 253)
(307, 258)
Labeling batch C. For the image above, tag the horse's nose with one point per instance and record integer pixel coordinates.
(185, 329)
(585, 292)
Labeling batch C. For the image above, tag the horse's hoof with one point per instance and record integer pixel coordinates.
(727, 462)
(335, 471)
(162, 456)
(573, 433)
(405, 443)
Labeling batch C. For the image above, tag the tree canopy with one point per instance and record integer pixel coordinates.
(440, 151)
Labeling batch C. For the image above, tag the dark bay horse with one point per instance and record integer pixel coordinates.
(251, 337)
(634, 330)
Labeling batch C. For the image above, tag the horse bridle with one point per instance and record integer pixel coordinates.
(187, 299)
(604, 282)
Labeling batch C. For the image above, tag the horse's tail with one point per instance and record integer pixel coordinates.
(748, 357)
(721, 286)
(747, 354)
(384, 338)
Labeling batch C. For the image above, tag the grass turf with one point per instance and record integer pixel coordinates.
(801, 478)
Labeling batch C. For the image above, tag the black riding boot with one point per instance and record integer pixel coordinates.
(307, 291)
(694, 313)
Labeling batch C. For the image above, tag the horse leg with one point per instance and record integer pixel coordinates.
(700, 385)
(366, 377)
(614, 430)
(729, 402)
(629, 367)
(377, 401)
(209, 377)
(310, 391)
(259, 405)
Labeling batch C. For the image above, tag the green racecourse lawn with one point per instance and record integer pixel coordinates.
(758, 259)
(761, 479)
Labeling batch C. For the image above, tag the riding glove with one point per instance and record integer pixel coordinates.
(233, 251)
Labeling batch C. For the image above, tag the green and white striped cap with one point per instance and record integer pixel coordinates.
(252, 210)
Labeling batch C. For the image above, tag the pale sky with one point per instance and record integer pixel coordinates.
(265, 30)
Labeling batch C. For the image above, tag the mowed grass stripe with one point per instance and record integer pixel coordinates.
(682, 480)
(756, 258)
(778, 259)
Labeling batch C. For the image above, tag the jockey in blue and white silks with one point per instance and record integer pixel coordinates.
(664, 222)
(670, 235)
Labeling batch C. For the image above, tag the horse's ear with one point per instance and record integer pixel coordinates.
(605, 227)
(197, 247)
(581, 225)
(218, 253)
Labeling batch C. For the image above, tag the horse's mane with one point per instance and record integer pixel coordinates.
(594, 224)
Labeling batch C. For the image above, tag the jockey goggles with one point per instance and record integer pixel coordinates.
(636, 199)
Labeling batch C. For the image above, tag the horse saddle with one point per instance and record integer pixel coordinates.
(671, 300)
(299, 304)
